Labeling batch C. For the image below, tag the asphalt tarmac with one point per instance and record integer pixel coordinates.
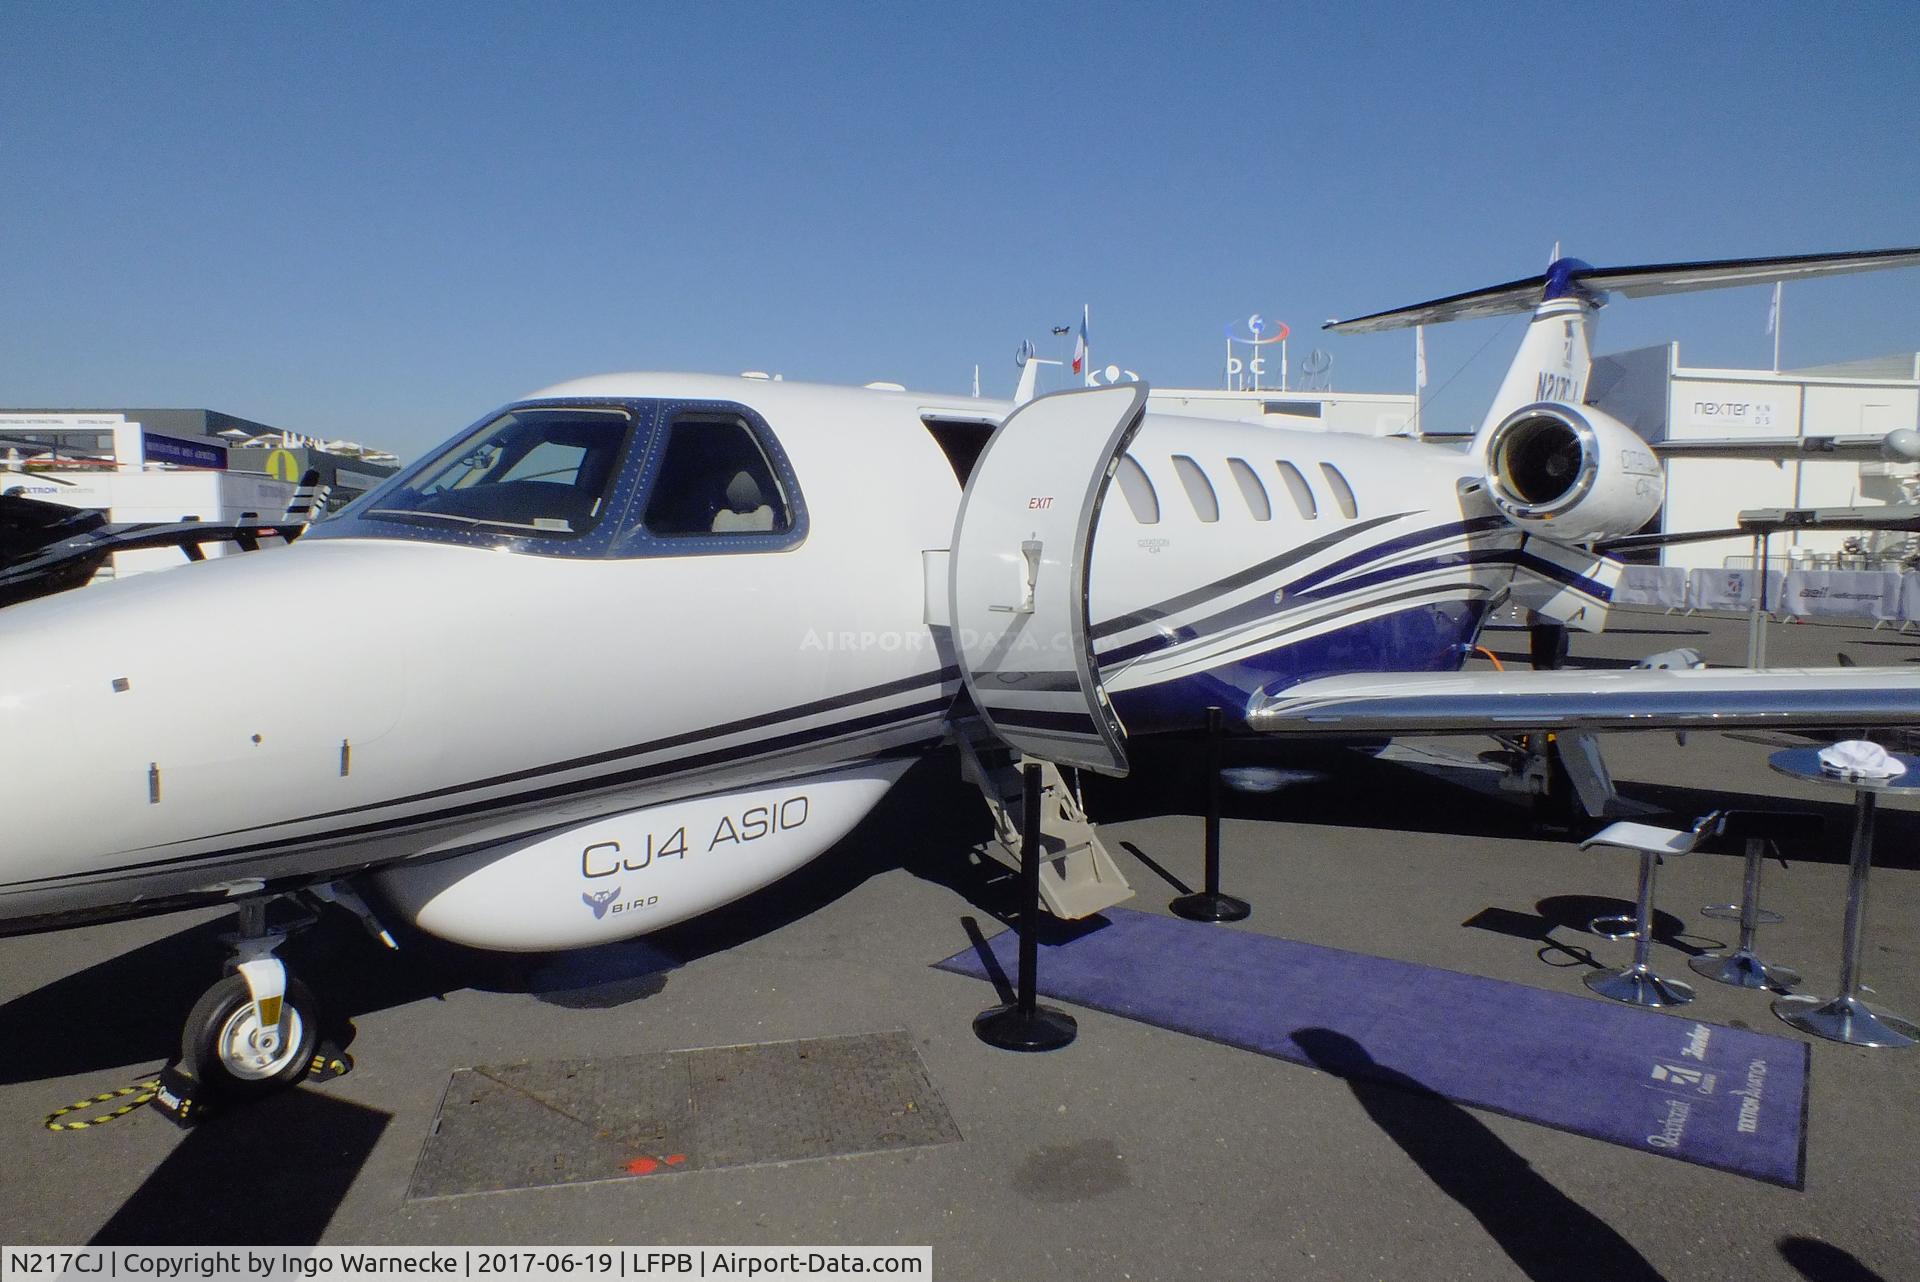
(1133, 1153)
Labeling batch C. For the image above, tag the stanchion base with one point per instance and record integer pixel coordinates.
(1639, 987)
(1846, 1019)
(1201, 906)
(1743, 970)
(1011, 1029)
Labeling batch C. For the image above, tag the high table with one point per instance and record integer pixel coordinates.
(1846, 1018)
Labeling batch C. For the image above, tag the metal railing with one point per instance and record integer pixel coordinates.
(1817, 561)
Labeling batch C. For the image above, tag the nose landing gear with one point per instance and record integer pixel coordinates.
(257, 1030)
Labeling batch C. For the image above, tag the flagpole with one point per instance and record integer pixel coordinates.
(1419, 371)
(1775, 325)
(1087, 372)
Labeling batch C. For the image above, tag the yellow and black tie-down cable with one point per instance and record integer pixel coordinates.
(135, 1095)
(328, 1063)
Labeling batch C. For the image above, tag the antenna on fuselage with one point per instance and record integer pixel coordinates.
(1029, 364)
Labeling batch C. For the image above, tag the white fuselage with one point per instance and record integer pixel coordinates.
(346, 702)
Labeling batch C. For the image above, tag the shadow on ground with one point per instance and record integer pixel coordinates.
(1547, 1234)
(230, 1180)
(1350, 788)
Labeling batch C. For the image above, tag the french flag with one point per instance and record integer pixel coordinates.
(1080, 344)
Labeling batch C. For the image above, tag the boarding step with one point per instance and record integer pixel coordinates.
(1077, 876)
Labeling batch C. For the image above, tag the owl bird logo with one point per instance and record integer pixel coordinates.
(598, 901)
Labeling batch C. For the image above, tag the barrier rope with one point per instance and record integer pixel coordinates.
(142, 1092)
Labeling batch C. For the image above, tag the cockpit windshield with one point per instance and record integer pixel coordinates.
(534, 472)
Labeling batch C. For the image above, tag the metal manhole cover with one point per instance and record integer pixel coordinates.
(520, 1126)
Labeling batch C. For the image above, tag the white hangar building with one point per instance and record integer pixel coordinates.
(1652, 392)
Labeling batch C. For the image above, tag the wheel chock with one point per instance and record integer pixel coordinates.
(182, 1100)
(177, 1098)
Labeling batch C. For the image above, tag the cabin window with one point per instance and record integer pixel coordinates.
(1206, 505)
(1138, 491)
(715, 479)
(1342, 492)
(1250, 489)
(1297, 487)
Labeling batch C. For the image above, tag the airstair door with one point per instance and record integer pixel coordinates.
(1022, 547)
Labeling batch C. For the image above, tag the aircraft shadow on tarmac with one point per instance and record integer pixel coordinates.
(229, 1180)
(1345, 788)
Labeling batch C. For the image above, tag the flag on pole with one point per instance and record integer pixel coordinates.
(1419, 357)
(1080, 349)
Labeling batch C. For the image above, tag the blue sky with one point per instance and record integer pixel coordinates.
(381, 221)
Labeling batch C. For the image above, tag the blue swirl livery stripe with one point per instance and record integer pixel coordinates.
(1312, 588)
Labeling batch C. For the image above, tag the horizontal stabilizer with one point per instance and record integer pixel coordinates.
(1631, 699)
(1573, 277)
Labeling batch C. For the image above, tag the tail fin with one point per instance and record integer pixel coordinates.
(1552, 363)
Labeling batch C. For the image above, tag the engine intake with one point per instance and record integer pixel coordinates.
(1572, 475)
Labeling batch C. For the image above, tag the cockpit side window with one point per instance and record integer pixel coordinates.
(594, 479)
(530, 473)
(715, 479)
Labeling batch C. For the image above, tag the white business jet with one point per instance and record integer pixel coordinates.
(636, 645)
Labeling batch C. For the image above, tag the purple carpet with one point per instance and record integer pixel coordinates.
(1721, 1097)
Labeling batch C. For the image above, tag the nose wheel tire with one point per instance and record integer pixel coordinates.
(232, 1054)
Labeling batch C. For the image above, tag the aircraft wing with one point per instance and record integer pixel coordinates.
(1586, 699)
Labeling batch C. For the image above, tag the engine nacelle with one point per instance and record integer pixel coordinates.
(1572, 474)
(628, 874)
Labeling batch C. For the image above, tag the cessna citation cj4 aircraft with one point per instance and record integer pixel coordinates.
(639, 644)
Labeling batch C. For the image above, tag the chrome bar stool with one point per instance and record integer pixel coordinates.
(1637, 985)
(1742, 967)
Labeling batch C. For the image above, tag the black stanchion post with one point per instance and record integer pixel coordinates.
(1024, 1024)
(1210, 904)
